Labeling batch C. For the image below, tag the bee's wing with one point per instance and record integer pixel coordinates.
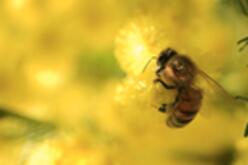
(136, 44)
(215, 95)
(216, 87)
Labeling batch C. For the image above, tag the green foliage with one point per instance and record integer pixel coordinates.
(98, 66)
(246, 131)
(224, 156)
(20, 126)
(241, 6)
(243, 41)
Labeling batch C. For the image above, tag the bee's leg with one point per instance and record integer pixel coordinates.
(159, 70)
(164, 84)
(162, 108)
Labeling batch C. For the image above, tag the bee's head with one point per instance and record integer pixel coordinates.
(165, 56)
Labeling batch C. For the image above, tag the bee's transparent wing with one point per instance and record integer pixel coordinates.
(215, 95)
(136, 44)
(217, 88)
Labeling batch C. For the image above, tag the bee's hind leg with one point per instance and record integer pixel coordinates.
(162, 108)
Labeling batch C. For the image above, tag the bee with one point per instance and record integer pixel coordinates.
(178, 72)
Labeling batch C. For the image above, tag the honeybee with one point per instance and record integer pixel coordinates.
(137, 42)
(178, 72)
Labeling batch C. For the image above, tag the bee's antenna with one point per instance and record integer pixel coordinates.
(148, 62)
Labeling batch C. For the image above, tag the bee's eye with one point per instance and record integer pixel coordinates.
(165, 56)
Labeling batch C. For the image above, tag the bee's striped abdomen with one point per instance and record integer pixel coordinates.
(179, 118)
(186, 108)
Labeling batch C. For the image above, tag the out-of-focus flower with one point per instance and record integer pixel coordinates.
(57, 64)
(140, 98)
(62, 150)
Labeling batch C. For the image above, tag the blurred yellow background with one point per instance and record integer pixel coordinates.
(72, 91)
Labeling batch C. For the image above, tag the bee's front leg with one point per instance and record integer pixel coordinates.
(159, 70)
(164, 84)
